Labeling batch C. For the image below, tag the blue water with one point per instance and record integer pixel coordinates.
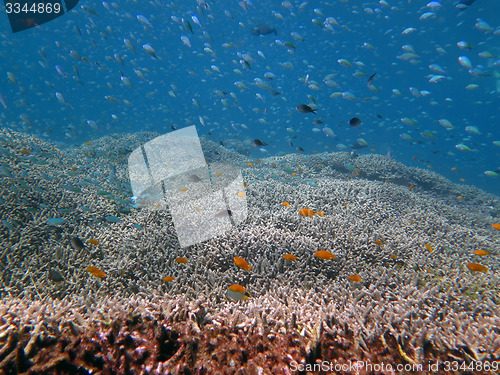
(181, 73)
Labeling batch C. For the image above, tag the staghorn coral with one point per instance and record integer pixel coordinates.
(411, 305)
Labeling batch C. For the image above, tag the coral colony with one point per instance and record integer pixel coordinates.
(383, 277)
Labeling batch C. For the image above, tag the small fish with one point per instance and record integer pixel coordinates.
(241, 194)
(242, 263)
(378, 242)
(142, 19)
(168, 279)
(224, 213)
(181, 260)
(55, 276)
(355, 278)
(476, 267)
(481, 253)
(150, 50)
(263, 30)
(370, 80)
(2, 101)
(290, 257)
(286, 204)
(93, 242)
(183, 188)
(324, 254)
(238, 292)
(464, 4)
(320, 213)
(354, 122)
(194, 178)
(112, 219)
(96, 272)
(77, 243)
(56, 222)
(496, 226)
(304, 108)
(257, 143)
(428, 247)
(25, 152)
(306, 212)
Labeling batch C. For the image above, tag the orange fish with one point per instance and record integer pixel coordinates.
(183, 188)
(168, 279)
(73, 169)
(306, 212)
(321, 213)
(428, 247)
(378, 242)
(496, 226)
(181, 260)
(476, 267)
(290, 257)
(242, 263)
(96, 272)
(25, 152)
(323, 254)
(93, 242)
(88, 143)
(481, 253)
(238, 292)
(241, 194)
(250, 164)
(245, 184)
(286, 204)
(412, 187)
(393, 256)
(355, 278)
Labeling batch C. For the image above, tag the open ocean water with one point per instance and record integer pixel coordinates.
(362, 223)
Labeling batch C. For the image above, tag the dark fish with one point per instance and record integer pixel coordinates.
(224, 213)
(77, 243)
(304, 108)
(275, 93)
(263, 30)
(300, 149)
(318, 122)
(55, 276)
(354, 122)
(357, 146)
(194, 178)
(258, 143)
(173, 127)
(370, 80)
(222, 144)
(380, 116)
(464, 4)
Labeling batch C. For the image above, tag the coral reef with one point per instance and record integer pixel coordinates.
(412, 305)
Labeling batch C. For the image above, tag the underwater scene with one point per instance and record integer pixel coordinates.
(250, 187)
